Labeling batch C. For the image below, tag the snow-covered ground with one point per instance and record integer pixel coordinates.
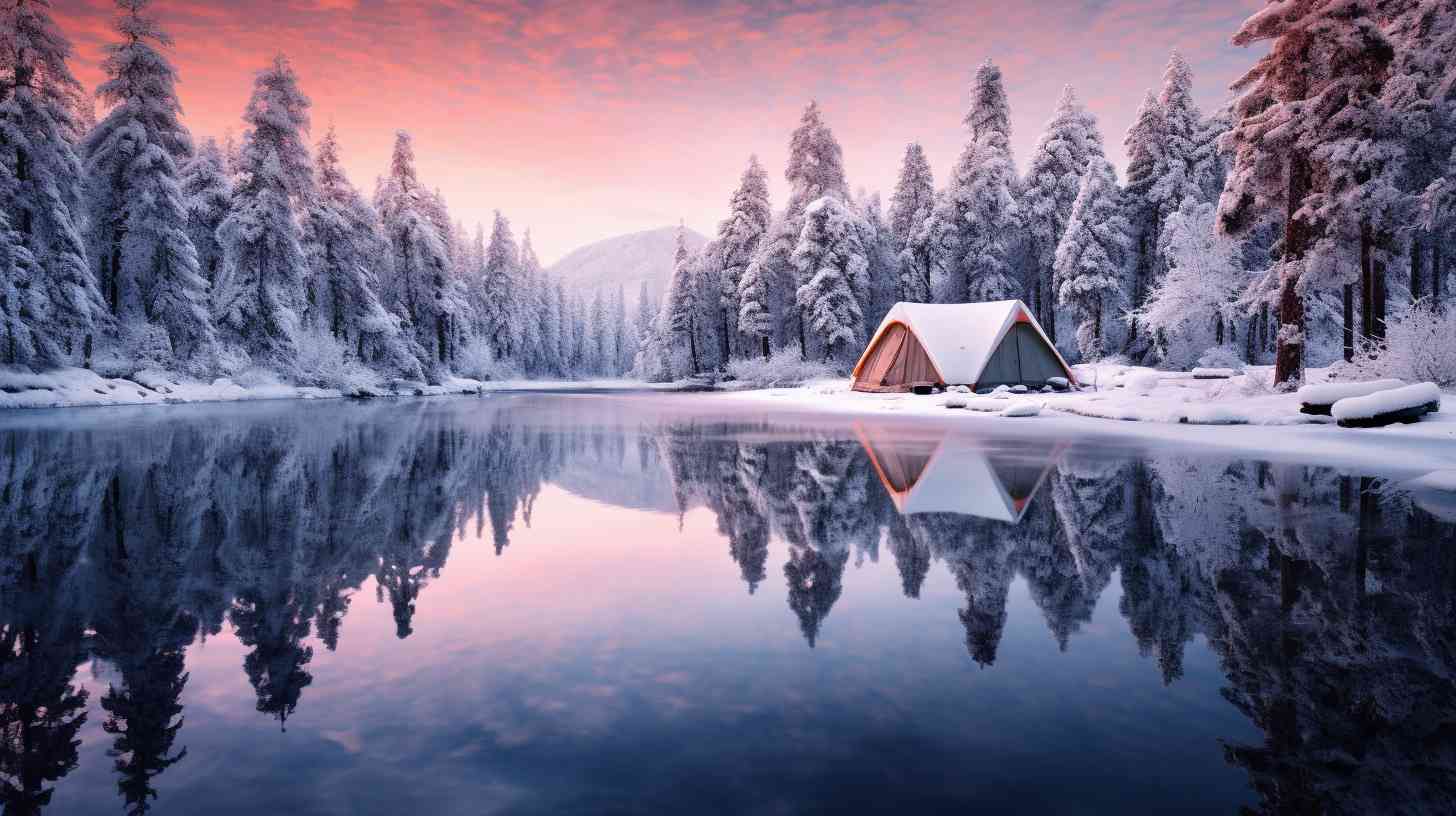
(1240, 413)
(76, 387)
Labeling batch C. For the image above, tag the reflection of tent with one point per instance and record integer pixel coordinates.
(956, 476)
(981, 345)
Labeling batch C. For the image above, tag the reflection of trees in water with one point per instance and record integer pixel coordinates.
(1329, 604)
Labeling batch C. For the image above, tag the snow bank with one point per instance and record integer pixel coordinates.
(74, 387)
(1384, 407)
(1331, 393)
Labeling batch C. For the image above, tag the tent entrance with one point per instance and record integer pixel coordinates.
(898, 362)
(1022, 358)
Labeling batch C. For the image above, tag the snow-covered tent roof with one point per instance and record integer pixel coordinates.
(960, 339)
(957, 476)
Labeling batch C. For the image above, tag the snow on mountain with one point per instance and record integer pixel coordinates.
(627, 260)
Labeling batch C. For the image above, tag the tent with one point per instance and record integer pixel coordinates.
(956, 475)
(981, 345)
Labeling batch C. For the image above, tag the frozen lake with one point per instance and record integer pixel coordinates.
(531, 604)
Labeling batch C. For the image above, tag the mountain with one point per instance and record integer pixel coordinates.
(626, 260)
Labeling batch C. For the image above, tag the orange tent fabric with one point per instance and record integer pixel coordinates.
(897, 363)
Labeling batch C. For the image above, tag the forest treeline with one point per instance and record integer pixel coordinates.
(124, 245)
(1307, 220)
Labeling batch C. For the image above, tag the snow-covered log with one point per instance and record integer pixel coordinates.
(1383, 408)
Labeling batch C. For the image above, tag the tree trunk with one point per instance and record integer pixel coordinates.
(1289, 358)
(693, 345)
(440, 338)
(1436, 283)
(1378, 292)
(115, 288)
(1050, 321)
(765, 346)
(1251, 340)
(1416, 284)
(1367, 289)
(727, 342)
(803, 339)
(1349, 327)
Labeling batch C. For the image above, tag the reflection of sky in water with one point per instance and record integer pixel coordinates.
(612, 659)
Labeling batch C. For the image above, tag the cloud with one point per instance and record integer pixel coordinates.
(584, 105)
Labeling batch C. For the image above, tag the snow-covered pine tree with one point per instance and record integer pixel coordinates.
(420, 289)
(829, 258)
(1324, 58)
(642, 317)
(749, 215)
(910, 205)
(991, 213)
(499, 296)
(815, 169)
(1092, 256)
(22, 299)
(963, 250)
(345, 248)
(682, 305)
(207, 192)
(1144, 147)
(621, 334)
(534, 305)
(145, 261)
(1181, 128)
(1053, 180)
(40, 190)
(880, 288)
(258, 299)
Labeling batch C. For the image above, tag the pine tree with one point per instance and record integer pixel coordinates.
(1092, 256)
(1187, 309)
(421, 289)
(40, 192)
(1296, 102)
(499, 290)
(682, 308)
(1144, 147)
(739, 235)
(257, 302)
(962, 252)
(146, 263)
(620, 333)
(344, 247)
(829, 258)
(534, 305)
(1053, 180)
(910, 207)
(207, 192)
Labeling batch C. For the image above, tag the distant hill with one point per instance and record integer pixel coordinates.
(626, 260)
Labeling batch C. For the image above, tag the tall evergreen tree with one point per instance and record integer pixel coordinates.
(682, 309)
(345, 247)
(499, 293)
(739, 235)
(829, 258)
(421, 289)
(1053, 180)
(1092, 256)
(146, 263)
(258, 300)
(1144, 147)
(207, 191)
(910, 207)
(62, 309)
(1324, 59)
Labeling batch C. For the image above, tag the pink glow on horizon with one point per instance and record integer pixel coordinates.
(581, 120)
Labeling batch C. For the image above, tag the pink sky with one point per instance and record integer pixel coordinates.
(582, 120)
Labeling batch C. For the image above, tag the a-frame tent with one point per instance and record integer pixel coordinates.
(957, 475)
(981, 345)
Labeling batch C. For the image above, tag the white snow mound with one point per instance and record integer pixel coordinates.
(1331, 393)
(1384, 402)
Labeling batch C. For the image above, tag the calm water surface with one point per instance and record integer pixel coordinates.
(586, 604)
